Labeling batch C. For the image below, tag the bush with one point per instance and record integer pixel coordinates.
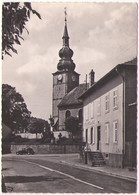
(19, 139)
(65, 140)
(46, 140)
(6, 148)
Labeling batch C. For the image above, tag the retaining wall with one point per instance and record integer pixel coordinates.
(48, 149)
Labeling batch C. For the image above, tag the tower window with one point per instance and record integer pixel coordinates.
(67, 114)
(80, 114)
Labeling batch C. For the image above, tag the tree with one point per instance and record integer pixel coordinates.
(37, 125)
(14, 110)
(14, 18)
(72, 125)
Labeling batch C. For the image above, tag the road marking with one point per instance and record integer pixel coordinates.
(67, 175)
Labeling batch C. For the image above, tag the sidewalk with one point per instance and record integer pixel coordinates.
(116, 172)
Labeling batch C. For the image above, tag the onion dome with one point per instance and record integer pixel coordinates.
(66, 52)
(66, 63)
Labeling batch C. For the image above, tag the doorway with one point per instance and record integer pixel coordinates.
(86, 136)
(98, 137)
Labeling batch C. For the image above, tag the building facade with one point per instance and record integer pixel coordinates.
(109, 115)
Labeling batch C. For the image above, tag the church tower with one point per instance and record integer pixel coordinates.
(65, 78)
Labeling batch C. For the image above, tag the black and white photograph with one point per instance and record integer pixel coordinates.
(69, 97)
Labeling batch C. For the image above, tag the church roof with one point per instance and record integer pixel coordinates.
(72, 97)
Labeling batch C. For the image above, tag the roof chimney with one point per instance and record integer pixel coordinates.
(91, 78)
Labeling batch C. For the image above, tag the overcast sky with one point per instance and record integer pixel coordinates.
(102, 35)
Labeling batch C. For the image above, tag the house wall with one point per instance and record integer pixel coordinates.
(131, 97)
(131, 117)
(110, 149)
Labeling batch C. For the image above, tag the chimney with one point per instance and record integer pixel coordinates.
(91, 78)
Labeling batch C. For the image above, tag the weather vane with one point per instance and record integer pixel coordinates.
(65, 14)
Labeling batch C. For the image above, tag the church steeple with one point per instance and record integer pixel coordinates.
(66, 63)
(65, 35)
(65, 78)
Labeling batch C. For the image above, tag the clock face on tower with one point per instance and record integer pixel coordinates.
(60, 77)
(73, 78)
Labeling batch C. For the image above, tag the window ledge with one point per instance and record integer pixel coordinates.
(115, 108)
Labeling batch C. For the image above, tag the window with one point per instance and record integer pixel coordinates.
(67, 114)
(92, 109)
(86, 136)
(115, 99)
(107, 103)
(115, 131)
(80, 115)
(98, 106)
(107, 133)
(92, 135)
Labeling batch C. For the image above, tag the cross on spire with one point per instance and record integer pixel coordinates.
(65, 35)
(65, 12)
(65, 63)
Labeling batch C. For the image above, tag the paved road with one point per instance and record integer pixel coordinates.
(48, 175)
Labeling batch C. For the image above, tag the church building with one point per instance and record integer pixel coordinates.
(66, 87)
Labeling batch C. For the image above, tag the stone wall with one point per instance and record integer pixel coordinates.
(30, 135)
(48, 149)
(64, 134)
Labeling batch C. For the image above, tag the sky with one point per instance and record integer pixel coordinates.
(102, 35)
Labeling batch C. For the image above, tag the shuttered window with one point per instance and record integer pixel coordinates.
(107, 103)
(115, 131)
(115, 99)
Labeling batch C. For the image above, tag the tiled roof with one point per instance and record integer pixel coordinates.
(114, 72)
(131, 62)
(72, 97)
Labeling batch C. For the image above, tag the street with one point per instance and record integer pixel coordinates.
(47, 174)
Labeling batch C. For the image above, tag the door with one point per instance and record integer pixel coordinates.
(86, 135)
(98, 137)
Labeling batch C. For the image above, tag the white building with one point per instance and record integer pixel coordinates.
(109, 116)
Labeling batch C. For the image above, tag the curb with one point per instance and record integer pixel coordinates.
(100, 171)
